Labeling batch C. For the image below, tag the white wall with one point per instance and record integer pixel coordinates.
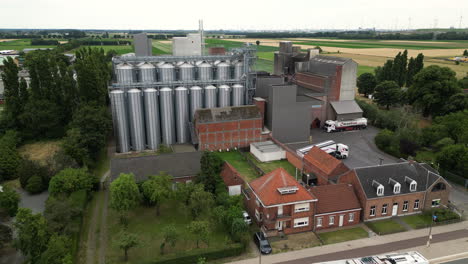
(186, 46)
(267, 156)
(348, 81)
(234, 190)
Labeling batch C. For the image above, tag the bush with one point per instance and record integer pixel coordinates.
(190, 257)
(442, 214)
(28, 169)
(9, 200)
(35, 185)
(79, 199)
(388, 142)
(70, 180)
(6, 235)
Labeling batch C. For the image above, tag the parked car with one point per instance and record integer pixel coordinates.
(247, 218)
(262, 243)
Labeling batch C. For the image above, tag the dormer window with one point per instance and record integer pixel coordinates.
(412, 184)
(288, 190)
(396, 186)
(379, 187)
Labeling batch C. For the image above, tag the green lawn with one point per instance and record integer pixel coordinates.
(240, 164)
(417, 221)
(385, 227)
(120, 49)
(272, 165)
(148, 227)
(364, 69)
(264, 65)
(229, 44)
(343, 235)
(20, 44)
(161, 48)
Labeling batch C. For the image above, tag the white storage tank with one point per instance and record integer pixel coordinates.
(238, 69)
(205, 72)
(224, 96)
(196, 100)
(135, 113)
(124, 73)
(182, 114)
(238, 94)
(223, 71)
(147, 72)
(166, 103)
(153, 135)
(166, 72)
(186, 72)
(119, 115)
(210, 96)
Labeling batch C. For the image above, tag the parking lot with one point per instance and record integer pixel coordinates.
(362, 149)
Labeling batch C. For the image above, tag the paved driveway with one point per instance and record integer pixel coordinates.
(362, 149)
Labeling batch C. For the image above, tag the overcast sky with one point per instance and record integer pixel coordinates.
(233, 14)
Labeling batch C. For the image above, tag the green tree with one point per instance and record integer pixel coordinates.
(87, 136)
(58, 251)
(387, 93)
(71, 180)
(200, 202)
(157, 189)
(458, 102)
(32, 234)
(399, 68)
(9, 162)
(388, 142)
(201, 230)
(411, 72)
(454, 158)
(366, 83)
(385, 73)
(9, 200)
(257, 42)
(126, 241)
(13, 104)
(6, 235)
(35, 185)
(29, 168)
(431, 89)
(184, 191)
(238, 229)
(124, 195)
(465, 53)
(60, 214)
(211, 166)
(319, 49)
(170, 236)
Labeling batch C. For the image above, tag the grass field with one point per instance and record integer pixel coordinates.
(149, 227)
(364, 69)
(240, 164)
(385, 227)
(40, 151)
(20, 44)
(343, 235)
(272, 165)
(418, 220)
(367, 44)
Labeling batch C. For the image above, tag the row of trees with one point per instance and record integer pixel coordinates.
(202, 199)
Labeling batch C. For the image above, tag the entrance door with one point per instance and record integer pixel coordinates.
(279, 225)
(280, 210)
(341, 220)
(395, 209)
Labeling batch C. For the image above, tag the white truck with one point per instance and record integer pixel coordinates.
(412, 257)
(336, 126)
(337, 150)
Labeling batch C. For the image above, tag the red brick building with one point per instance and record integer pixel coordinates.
(323, 166)
(397, 189)
(228, 127)
(278, 203)
(337, 206)
(232, 179)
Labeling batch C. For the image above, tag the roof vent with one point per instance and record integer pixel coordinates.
(288, 189)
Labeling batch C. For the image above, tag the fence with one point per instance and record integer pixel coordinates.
(459, 180)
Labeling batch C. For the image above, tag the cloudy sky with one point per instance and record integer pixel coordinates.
(237, 14)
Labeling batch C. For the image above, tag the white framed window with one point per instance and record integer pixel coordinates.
(416, 205)
(258, 215)
(300, 222)
(396, 188)
(380, 190)
(405, 206)
(372, 211)
(319, 221)
(413, 186)
(384, 209)
(331, 220)
(304, 207)
(435, 202)
(351, 217)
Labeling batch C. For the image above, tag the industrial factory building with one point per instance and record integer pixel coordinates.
(154, 98)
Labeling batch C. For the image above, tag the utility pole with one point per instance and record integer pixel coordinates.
(460, 23)
(433, 217)
(202, 37)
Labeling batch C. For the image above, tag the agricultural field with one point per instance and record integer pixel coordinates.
(19, 44)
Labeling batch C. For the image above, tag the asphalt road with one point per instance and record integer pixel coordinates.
(460, 261)
(380, 249)
(362, 149)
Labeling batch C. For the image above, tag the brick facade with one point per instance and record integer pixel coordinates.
(347, 221)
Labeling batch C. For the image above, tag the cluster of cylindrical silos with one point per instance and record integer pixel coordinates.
(146, 72)
(146, 117)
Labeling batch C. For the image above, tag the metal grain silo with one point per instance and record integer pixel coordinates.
(223, 71)
(186, 72)
(210, 96)
(167, 116)
(119, 114)
(237, 95)
(124, 73)
(182, 114)
(224, 96)
(205, 72)
(238, 69)
(166, 73)
(153, 134)
(135, 113)
(147, 72)
(196, 100)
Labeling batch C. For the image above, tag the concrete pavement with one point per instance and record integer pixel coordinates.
(447, 240)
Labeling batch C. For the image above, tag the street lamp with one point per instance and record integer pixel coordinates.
(433, 219)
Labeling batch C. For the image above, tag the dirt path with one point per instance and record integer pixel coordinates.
(91, 241)
(103, 228)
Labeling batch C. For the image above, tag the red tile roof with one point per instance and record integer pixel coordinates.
(324, 161)
(335, 197)
(266, 188)
(230, 175)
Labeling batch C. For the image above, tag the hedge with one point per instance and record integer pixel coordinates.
(190, 257)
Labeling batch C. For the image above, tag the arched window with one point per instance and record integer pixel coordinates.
(438, 187)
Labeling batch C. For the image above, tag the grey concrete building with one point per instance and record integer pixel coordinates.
(191, 45)
(143, 45)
